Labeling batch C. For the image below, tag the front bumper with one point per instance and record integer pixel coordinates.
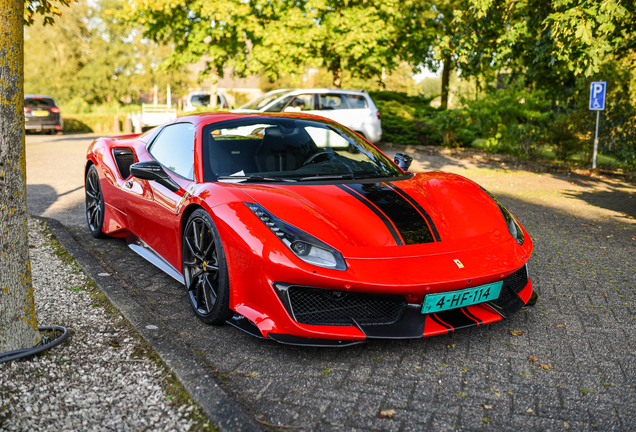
(412, 323)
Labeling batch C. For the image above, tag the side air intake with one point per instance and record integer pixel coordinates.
(124, 158)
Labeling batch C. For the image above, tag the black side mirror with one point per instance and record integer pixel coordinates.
(403, 161)
(152, 170)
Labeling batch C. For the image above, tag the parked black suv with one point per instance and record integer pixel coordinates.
(41, 114)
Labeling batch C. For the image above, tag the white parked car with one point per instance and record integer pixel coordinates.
(351, 108)
(201, 99)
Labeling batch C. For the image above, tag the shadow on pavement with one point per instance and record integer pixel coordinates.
(619, 201)
(42, 196)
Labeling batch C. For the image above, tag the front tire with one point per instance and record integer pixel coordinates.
(205, 269)
(94, 203)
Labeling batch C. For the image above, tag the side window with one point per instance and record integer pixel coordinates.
(303, 102)
(278, 106)
(330, 102)
(174, 149)
(356, 101)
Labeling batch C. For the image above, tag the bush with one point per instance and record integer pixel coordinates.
(563, 137)
(406, 120)
(512, 119)
(454, 128)
(91, 123)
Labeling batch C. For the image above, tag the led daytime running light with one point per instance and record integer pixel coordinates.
(304, 246)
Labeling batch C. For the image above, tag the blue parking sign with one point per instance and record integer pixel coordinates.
(597, 95)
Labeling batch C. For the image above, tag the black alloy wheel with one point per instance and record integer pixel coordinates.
(94, 203)
(205, 269)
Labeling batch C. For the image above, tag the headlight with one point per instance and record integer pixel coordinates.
(511, 222)
(304, 246)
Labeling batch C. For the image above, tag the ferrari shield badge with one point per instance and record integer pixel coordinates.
(459, 263)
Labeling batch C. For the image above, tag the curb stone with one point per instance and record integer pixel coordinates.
(224, 413)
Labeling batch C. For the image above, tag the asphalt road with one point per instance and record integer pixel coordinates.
(582, 330)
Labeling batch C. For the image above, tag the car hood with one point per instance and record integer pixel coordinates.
(429, 213)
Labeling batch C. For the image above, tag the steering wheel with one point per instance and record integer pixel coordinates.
(316, 155)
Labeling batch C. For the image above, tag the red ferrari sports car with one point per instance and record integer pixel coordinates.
(294, 228)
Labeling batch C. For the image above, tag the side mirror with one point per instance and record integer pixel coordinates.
(402, 160)
(152, 170)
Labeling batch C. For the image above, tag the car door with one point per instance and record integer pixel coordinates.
(151, 206)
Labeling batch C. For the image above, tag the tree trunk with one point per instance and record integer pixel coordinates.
(336, 70)
(18, 324)
(445, 80)
(214, 88)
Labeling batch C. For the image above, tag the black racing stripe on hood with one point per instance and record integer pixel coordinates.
(378, 213)
(420, 208)
(410, 223)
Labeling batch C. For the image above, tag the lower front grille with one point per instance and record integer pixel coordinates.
(515, 282)
(340, 308)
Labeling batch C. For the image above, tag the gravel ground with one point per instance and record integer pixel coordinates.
(104, 378)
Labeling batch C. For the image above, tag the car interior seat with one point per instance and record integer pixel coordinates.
(283, 149)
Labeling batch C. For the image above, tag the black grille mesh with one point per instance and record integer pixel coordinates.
(124, 161)
(515, 282)
(338, 308)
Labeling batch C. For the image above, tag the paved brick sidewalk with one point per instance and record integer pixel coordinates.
(583, 329)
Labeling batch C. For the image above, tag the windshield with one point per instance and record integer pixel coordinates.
(264, 100)
(261, 149)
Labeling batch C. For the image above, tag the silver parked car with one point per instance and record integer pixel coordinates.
(201, 99)
(351, 108)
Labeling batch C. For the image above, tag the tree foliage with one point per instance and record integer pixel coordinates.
(47, 9)
(276, 37)
(90, 56)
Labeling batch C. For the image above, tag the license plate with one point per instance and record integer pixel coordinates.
(460, 298)
(40, 113)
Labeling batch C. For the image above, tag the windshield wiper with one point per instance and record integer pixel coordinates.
(256, 178)
(328, 177)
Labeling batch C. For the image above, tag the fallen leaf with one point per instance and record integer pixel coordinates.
(215, 371)
(31, 247)
(545, 367)
(114, 343)
(251, 374)
(582, 262)
(532, 358)
(583, 224)
(487, 406)
(590, 247)
(603, 294)
(560, 325)
(569, 295)
(450, 346)
(516, 332)
(387, 413)
(497, 394)
(610, 236)
(529, 410)
(630, 251)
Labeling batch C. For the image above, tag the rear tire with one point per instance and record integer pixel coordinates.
(94, 203)
(205, 269)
